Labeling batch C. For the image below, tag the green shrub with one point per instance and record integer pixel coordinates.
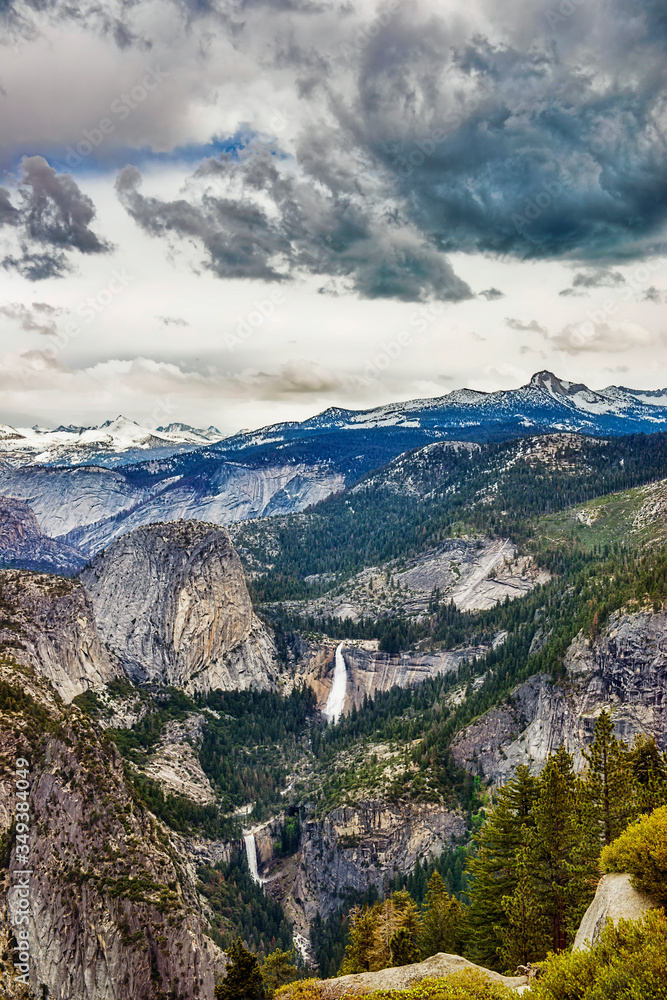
(470, 984)
(628, 963)
(641, 850)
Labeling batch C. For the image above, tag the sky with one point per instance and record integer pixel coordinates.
(234, 212)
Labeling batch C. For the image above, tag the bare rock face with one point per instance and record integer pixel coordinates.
(175, 763)
(624, 670)
(407, 976)
(615, 900)
(113, 911)
(47, 622)
(23, 545)
(370, 672)
(358, 846)
(171, 601)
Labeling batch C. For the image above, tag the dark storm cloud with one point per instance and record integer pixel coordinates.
(37, 266)
(306, 229)
(554, 149)
(25, 18)
(54, 210)
(653, 294)
(52, 217)
(546, 148)
(491, 294)
(525, 138)
(8, 214)
(593, 278)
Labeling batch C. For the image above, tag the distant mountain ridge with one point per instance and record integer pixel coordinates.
(545, 403)
(111, 443)
(87, 486)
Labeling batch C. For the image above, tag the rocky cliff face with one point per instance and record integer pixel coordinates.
(624, 670)
(359, 846)
(90, 506)
(113, 911)
(369, 671)
(475, 572)
(48, 623)
(22, 543)
(172, 603)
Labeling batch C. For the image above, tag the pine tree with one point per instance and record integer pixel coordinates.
(243, 979)
(609, 784)
(561, 864)
(402, 948)
(279, 968)
(649, 771)
(363, 924)
(388, 922)
(526, 935)
(493, 871)
(441, 919)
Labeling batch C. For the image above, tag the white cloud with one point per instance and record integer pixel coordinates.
(602, 337)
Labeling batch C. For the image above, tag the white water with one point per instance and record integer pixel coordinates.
(301, 946)
(334, 706)
(251, 854)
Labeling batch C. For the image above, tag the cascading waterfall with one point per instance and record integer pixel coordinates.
(334, 706)
(251, 855)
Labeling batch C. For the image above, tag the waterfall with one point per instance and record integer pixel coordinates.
(251, 855)
(301, 945)
(334, 706)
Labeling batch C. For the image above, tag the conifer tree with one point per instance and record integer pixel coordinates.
(362, 939)
(441, 919)
(243, 979)
(493, 871)
(526, 934)
(279, 968)
(649, 771)
(388, 922)
(609, 780)
(560, 861)
(402, 948)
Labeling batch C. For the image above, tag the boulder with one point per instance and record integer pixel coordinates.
(407, 976)
(615, 900)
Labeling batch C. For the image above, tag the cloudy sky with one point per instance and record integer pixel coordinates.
(232, 212)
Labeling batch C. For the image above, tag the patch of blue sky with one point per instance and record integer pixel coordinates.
(86, 157)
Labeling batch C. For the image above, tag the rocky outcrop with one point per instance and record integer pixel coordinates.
(475, 572)
(172, 603)
(359, 846)
(23, 545)
(175, 763)
(369, 671)
(90, 506)
(623, 670)
(615, 900)
(407, 976)
(112, 908)
(47, 622)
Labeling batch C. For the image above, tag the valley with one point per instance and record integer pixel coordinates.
(294, 693)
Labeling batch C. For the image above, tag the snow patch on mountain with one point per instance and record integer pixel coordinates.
(72, 445)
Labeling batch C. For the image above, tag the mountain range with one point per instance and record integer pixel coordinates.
(544, 403)
(471, 596)
(87, 486)
(113, 442)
